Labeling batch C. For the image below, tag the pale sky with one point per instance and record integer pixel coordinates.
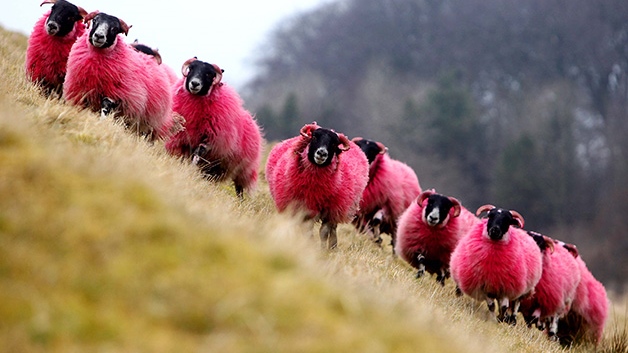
(229, 33)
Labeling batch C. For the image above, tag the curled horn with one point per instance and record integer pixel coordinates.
(47, 2)
(382, 149)
(218, 77)
(457, 207)
(90, 16)
(550, 243)
(424, 195)
(356, 139)
(82, 11)
(484, 208)
(519, 218)
(125, 27)
(573, 250)
(306, 130)
(184, 68)
(344, 141)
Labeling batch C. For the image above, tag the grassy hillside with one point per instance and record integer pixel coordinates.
(108, 244)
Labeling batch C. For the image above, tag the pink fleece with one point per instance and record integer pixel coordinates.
(333, 191)
(231, 132)
(436, 244)
(556, 289)
(135, 80)
(483, 268)
(392, 187)
(47, 56)
(591, 303)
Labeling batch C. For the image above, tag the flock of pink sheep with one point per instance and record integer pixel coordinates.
(320, 173)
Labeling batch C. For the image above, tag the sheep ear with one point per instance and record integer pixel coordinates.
(125, 28)
(457, 207)
(484, 208)
(344, 143)
(518, 219)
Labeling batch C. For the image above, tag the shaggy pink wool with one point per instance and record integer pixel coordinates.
(556, 289)
(591, 302)
(135, 80)
(233, 136)
(392, 187)
(509, 268)
(333, 191)
(47, 56)
(436, 244)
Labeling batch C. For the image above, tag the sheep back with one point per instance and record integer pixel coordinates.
(556, 289)
(332, 192)
(47, 56)
(135, 80)
(219, 120)
(392, 186)
(482, 267)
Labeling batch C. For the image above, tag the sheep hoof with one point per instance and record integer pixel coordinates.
(420, 273)
(458, 292)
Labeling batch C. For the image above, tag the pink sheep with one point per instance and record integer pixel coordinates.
(589, 310)
(556, 289)
(221, 136)
(392, 187)
(50, 42)
(429, 231)
(495, 261)
(321, 173)
(102, 66)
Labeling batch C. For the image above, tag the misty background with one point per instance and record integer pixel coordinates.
(518, 103)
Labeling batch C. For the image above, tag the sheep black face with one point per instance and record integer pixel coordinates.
(324, 145)
(105, 30)
(201, 77)
(145, 49)
(499, 221)
(370, 148)
(107, 106)
(62, 18)
(437, 210)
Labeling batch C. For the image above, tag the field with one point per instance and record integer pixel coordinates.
(108, 244)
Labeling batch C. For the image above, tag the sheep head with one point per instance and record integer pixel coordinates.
(500, 220)
(544, 242)
(438, 209)
(105, 29)
(142, 48)
(323, 144)
(371, 148)
(201, 77)
(63, 17)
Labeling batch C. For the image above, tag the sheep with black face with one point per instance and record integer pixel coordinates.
(496, 260)
(101, 65)
(429, 231)
(50, 42)
(392, 187)
(320, 173)
(221, 136)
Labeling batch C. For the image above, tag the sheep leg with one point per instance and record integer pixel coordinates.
(328, 235)
(553, 328)
(536, 316)
(376, 222)
(490, 303)
(239, 189)
(514, 309)
(503, 308)
(420, 265)
(458, 291)
(440, 278)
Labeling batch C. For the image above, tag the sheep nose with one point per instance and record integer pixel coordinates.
(432, 219)
(98, 36)
(194, 84)
(52, 26)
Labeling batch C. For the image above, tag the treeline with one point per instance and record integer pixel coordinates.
(523, 104)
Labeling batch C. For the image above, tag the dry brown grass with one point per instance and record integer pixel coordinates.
(108, 244)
